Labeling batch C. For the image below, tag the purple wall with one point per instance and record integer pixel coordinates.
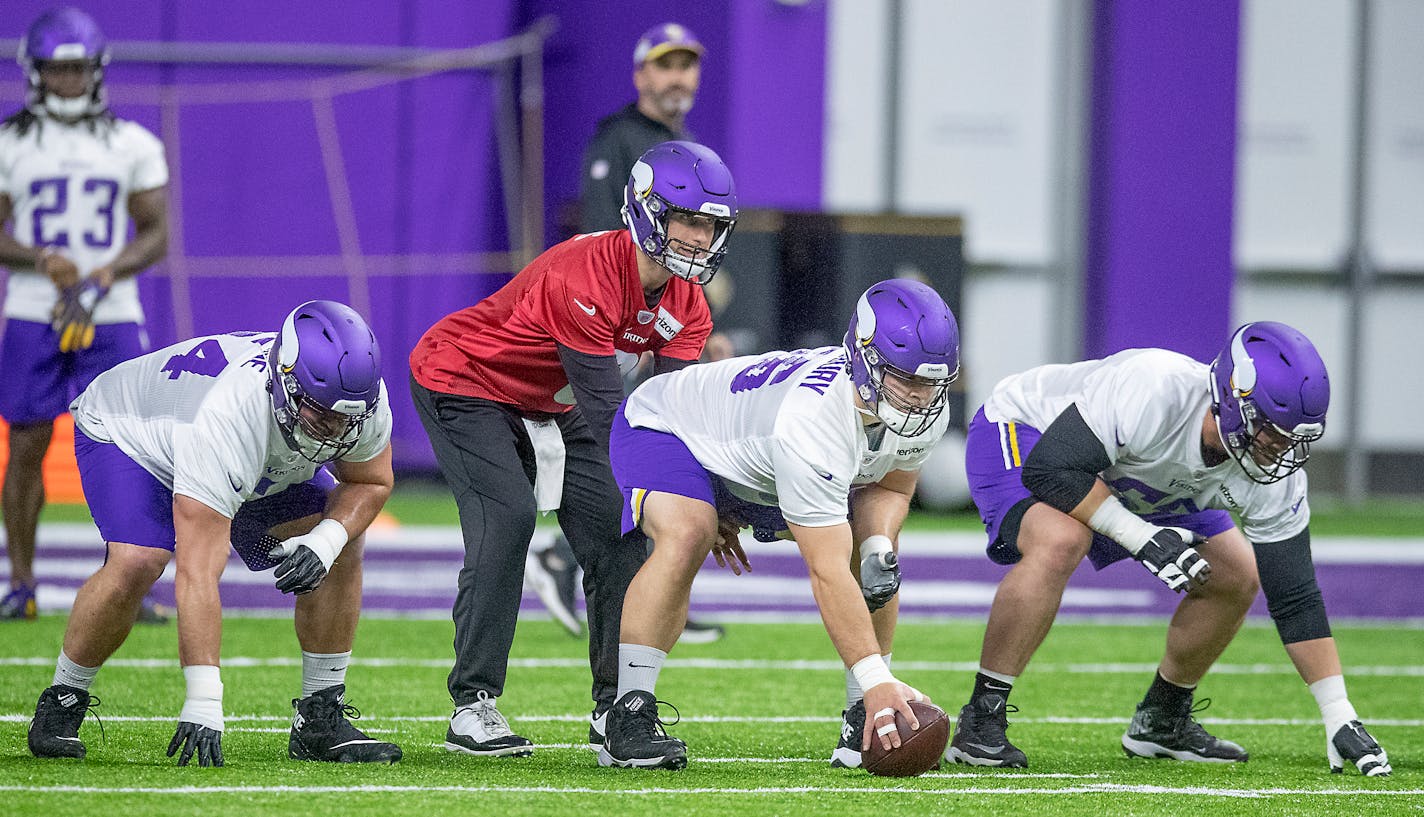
(420, 155)
(760, 105)
(1162, 166)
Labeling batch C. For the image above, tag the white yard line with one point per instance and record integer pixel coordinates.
(1091, 788)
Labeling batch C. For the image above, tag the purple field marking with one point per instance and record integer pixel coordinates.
(415, 570)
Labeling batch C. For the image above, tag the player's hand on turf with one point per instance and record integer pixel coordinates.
(728, 551)
(882, 701)
(193, 739)
(1172, 557)
(74, 314)
(302, 570)
(1351, 742)
(61, 271)
(879, 578)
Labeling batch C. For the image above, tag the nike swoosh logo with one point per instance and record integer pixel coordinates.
(641, 666)
(338, 669)
(588, 310)
(823, 474)
(236, 485)
(990, 749)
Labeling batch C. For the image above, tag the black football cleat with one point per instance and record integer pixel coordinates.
(847, 752)
(1157, 731)
(54, 732)
(635, 737)
(980, 737)
(321, 731)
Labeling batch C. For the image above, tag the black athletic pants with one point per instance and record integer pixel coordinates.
(484, 452)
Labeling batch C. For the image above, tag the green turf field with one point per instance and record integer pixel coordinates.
(759, 715)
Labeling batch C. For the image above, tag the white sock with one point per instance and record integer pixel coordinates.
(638, 668)
(322, 670)
(998, 676)
(853, 691)
(71, 674)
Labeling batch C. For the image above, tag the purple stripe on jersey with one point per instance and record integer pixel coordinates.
(993, 459)
(40, 381)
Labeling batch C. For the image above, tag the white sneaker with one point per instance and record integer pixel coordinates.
(479, 729)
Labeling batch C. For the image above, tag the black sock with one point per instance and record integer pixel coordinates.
(1167, 695)
(984, 685)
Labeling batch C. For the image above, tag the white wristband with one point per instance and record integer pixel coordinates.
(871, 671)
(203, 705)
(1335, 707)
(1119, 524)
(877, 545)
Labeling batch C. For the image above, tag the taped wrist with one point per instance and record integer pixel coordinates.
(1119, 524)
(871, 671)
(203, 705)
(327, 540)
(1335, 707)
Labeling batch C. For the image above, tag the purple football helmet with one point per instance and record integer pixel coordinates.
(326, 379)
(686, 179)
(1269, 392)
(64, 35)
(903, 353)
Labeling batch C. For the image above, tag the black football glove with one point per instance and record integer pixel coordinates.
(1170, 555)
(193, 739)
(879, 578)
(301, 572)
(1351, 742)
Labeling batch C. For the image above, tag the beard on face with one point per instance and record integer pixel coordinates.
(675, 101)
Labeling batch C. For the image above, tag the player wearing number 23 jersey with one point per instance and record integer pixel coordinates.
(73, 179)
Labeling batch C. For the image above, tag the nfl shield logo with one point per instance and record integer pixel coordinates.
(645, 317)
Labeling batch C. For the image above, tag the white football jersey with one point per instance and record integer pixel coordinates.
(1147, 406)
(780, 429)
(198, 417)
(69, 189)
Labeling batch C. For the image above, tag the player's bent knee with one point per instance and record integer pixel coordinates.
(137, 564)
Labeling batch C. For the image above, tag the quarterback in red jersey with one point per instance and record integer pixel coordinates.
(518, 394)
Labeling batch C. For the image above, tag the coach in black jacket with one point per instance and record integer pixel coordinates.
(667, 67)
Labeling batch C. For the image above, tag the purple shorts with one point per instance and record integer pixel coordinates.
(994, 458)
(40, 381)
(129, 505)
(676, 471)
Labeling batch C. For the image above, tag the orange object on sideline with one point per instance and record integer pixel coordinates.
(61, 472)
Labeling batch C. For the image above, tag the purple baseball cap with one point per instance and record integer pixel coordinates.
(663, 39)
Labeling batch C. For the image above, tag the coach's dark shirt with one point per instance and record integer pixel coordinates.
(621, 138)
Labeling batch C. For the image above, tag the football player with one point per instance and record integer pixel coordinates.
(1146, 454)
(518, 392)
(72, 178)
(226, 439)
(786, 443)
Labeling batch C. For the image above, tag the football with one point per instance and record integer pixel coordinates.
(920, 749)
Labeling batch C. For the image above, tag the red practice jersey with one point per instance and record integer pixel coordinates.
(584, 294)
